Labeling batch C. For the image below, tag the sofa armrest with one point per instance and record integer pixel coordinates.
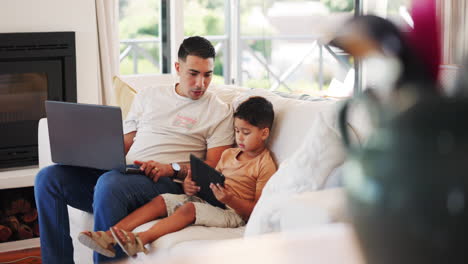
(45, 158)
(310, 209)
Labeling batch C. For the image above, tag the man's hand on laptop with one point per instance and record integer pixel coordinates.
(154, 169)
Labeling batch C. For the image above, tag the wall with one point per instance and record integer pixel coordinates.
(60, 15)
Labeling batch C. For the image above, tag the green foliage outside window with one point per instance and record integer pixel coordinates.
(139, 19)
(206, 18)
(339, 5)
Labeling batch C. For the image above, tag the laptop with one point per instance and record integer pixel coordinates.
(86, 135)
(203, 175)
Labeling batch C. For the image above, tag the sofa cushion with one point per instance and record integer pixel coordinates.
(126, 87)
(142, 81)
(319, 152)
(124, 95)
(309, 209)
(192, 233)
(227, 93)
(80, 221)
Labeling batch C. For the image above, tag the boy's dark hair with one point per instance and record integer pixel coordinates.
(256, 110)
(196, 46)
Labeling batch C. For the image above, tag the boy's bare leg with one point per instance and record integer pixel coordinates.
(150, 211)
(182, 217)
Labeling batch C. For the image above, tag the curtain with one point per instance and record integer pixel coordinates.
(107, 16)
(454, 29)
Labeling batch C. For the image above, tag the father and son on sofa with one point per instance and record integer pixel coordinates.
(166, 124)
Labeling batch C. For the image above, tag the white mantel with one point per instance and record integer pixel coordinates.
(61, 15)
(18, 177)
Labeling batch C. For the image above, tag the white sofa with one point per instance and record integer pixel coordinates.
(294, 121)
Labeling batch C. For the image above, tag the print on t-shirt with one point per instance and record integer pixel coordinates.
(184, 121)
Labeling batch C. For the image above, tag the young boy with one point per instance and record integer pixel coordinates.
(246, 168)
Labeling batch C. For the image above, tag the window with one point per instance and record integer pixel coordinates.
(208, 18)
(397, 11)
(139, 36)
(268, 44)
(284, 47)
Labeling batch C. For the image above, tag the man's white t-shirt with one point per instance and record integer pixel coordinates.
(170, 127)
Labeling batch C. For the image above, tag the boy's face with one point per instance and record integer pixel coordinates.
(195, 76)
(250, 138)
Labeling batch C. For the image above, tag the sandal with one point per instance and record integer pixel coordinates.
(129, 246)
(98, 241)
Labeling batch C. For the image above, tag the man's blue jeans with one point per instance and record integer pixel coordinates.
(109, 195)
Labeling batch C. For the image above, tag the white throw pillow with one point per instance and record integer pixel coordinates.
(306, 170)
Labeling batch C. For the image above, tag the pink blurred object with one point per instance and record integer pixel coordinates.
(425, 37)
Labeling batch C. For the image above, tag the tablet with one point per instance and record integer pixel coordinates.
(203, 175)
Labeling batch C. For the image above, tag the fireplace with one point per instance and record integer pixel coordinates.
(34, 67)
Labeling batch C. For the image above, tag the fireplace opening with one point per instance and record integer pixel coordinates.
(18, 214)
(34, 67)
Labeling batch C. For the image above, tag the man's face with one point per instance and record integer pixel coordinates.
(195, 76)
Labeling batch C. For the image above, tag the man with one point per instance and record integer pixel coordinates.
(163, 127)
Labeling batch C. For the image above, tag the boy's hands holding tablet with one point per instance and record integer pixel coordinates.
(221, 193)
(190, 187)
(203, 175)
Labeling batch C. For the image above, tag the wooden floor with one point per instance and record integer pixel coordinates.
(27, 256)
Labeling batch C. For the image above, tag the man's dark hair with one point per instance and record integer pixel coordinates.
(256, 110)
(196, 46)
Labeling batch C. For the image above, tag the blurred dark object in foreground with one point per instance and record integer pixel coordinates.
(409, 78)
(407, 186)
(461, 84)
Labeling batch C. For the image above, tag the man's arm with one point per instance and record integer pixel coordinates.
(212, 157)
(128, 140)
(155, 169)
(214, 154)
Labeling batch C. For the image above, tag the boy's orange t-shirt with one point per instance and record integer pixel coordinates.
(246, 179)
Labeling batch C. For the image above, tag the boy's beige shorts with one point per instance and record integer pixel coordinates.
(205, 213)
